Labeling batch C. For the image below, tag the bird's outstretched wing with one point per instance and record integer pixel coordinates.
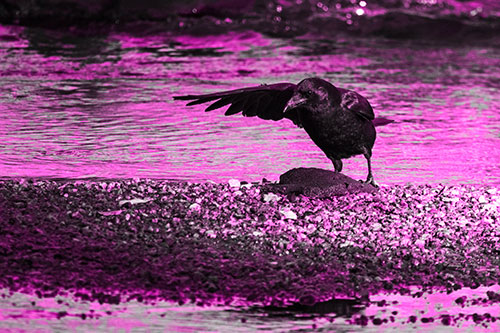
(353, 101)
(265, 101)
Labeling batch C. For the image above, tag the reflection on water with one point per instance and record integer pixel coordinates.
(464, 309)
(101, 106)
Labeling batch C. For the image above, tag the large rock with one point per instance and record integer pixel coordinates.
(318, 182)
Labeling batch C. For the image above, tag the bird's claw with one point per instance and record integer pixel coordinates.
(370, 181)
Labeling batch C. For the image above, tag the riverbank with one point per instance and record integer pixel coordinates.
(115, 241)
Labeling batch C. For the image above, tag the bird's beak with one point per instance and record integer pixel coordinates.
(295, 102)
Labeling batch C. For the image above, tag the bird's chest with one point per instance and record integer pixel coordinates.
(331, 126)
(339, 135)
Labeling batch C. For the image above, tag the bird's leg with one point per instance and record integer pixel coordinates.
(369, 178)
(337, 164)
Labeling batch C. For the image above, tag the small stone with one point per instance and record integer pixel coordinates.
(111, 213)
(234, 183)
(420, 243)
(195, 206)
(289, 214)
(270, 197)
(307, 300)
(134, 201)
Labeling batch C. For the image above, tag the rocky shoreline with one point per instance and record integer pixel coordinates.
(116, 240)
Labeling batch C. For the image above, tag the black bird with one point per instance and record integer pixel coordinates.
(341, 122)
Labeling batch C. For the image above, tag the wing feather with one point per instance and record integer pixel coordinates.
(356, 103)
(263, 105)
(235, 108)
(201, 101)
(265, 101)
(278, 103)
(220, 103)
(251, 109)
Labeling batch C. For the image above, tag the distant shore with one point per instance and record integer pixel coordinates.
(117, 240)
(473, 22)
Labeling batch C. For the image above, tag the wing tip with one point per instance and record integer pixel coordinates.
(184, 97)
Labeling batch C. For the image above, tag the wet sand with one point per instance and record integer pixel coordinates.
(122, 241)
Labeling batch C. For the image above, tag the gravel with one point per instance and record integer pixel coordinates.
(237, 243)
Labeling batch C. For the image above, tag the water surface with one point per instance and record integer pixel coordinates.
(80, 106)
(21, 311)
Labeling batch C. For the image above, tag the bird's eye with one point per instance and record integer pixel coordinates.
(308, 93)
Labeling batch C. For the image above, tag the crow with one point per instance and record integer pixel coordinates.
(340, 122)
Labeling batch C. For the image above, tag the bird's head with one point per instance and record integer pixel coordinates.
(313, 94)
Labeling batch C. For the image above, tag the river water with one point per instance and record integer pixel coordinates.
(100, 105)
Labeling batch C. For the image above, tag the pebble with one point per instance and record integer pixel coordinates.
(234, 183)
(134, 201)
(195, 206)
(271, 197)
(288, 213)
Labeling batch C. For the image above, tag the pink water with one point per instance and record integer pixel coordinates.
(101, 106)
(21, 312)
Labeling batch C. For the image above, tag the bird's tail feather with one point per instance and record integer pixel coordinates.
(381, 121)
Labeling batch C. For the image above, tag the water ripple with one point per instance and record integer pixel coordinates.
(102, 106)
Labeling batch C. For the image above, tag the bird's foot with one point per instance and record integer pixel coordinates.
(370, 181)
